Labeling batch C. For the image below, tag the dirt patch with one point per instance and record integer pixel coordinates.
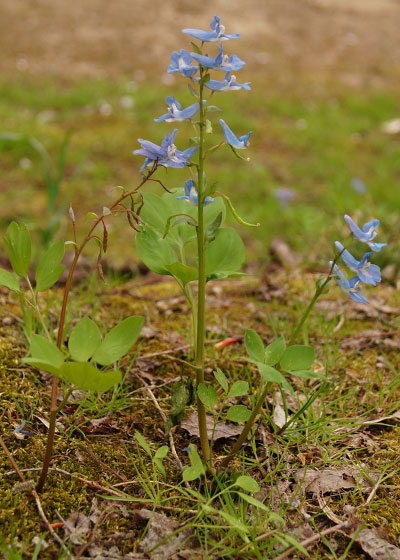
(351, 41)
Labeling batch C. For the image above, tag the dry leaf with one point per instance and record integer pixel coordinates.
(329, 480)
(160, 526)
(279, 416)
(222, 429)
(376, 547)
(76, 527)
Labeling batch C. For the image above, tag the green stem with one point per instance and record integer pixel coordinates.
(205, 446)
(247, 426)
(36, 308)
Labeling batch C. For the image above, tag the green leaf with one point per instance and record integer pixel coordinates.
(182, 272)
(88, 378)
(254, 345)
(220, 377)
(209, 127)
(196, 470)
(91, 215)
(226, 253)
(307, 374)
(49, 269)
(274, 351)
(44, 350)
(253, 501)
(247, 483)
(106, 211)
(195, 48)
(43, 365)
(238, 413)
(155, 252)
(213, 228)
(9, 281)
(238, 389)
(84, 340)
(193, 91)
(208, 395)
(270, 374)
(143, 443)
(234, 521)
(297, 357)
(118, 341)
(212, 109)
(161, 452)
(18, 247)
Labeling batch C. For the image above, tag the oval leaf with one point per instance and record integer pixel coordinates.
(274, 351)
(254, 345)
(49, 269)
(238, 413)
(118, 341)
(208, 395)
(297, 357)
(45, 351)
(270, 374)
(226, 253)
(88, 378)
(220, 377)
(238, 389)
(247, 483)
(18, 247)
(155, 252)
(8, 280)
(84, 340)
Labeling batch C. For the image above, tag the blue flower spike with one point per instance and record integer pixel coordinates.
(176, 113)
(192, 196)
(367, 272)
(166, 155)
(216, 34)
(220, 62)
(229, 84)
(366, 234)
(182, 62)
(238, 143)
(349, 286)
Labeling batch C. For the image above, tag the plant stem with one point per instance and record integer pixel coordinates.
(67, 289)
(247, 426)
(205, 446)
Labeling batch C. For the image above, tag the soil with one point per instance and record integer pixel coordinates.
(353, 42)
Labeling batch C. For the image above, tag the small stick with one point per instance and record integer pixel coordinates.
(311, 540)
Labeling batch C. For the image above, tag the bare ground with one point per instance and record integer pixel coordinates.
(355, 42)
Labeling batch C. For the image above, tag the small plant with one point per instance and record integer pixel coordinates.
(90, 360)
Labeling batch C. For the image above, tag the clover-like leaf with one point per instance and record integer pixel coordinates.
(297, 357)
(254, 345)
(118, 341)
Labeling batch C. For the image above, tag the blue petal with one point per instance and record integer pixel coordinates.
(347, 257)
(376, 246)
(189, 112)
(188, 186)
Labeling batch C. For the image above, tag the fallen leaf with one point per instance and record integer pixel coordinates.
(376, 547)
(160, 526)
(329, 480)
(76, 527)
(222, 429)
(279, 416)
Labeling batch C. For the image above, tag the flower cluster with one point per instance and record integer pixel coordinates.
(365, 271)
(188, 64)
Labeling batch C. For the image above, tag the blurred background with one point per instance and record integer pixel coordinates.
(81, 81)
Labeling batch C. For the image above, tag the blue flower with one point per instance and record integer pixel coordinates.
(174, 111)
(220, 62)
(366, 234)
(348, 286)
(167, 154)
(238, 143)
(182, 62)
(229, 84)
(217, 33)
(367, 272)
(191, 194)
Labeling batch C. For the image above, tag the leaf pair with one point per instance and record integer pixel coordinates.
(86, 343)
(295, 360)
(19, 249)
